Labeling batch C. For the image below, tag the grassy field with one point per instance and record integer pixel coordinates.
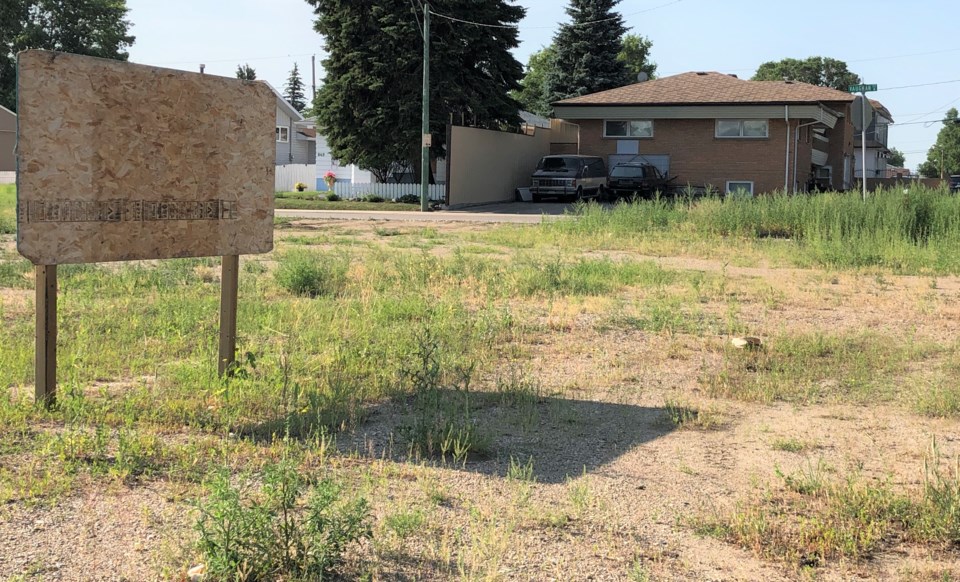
(466, 402)
(317, 201)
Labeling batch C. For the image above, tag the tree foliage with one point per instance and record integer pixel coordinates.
(533, 87)
(896, 158)
(246, 73)
(370, 104)
(825, 72)
(946, 149)
(635, 55)
(587, 50)
(93, 27)
(293, 90)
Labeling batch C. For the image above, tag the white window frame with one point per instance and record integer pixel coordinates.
(766, 133)
(283, 134)
(728, 191)
(628, 122)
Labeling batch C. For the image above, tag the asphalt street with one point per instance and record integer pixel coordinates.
(512, 212)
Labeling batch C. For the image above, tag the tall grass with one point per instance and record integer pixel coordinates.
(8, 204)
(907, 231)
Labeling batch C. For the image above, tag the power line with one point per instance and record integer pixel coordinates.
(920, 85)
(234, 60)
(575, 24)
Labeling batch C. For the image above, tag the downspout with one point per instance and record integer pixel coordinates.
(786, 162)
(796, 149)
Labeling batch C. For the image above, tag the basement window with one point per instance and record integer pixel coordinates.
(283, 134)
(740, 128)
(627, 128)
(740, 188)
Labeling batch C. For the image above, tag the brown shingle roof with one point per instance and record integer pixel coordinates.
(879, 107)
(710, 88)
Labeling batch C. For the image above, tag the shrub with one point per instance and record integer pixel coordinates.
(409, 199)
(331, 197)
(291, 529)
(311, 274)
(372, 198)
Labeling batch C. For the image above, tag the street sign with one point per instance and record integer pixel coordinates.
(861, 88)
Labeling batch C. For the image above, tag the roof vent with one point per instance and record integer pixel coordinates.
(734, 76)
(788, 82)
(701, 73)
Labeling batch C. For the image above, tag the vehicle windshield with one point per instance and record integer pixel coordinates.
(558, 164)
(627, 172)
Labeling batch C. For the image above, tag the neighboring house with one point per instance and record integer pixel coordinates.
(293, 146)
(879, 120)
(8, 140)
(709, 128)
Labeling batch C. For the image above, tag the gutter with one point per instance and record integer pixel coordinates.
(797, 148)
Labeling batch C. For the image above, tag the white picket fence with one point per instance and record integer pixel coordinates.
(8, 177)
(289, 174)
(349, 191)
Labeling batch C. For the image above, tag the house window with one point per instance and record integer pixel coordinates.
(625, 128)
(740, 188)
(283, 134)
(742, 127)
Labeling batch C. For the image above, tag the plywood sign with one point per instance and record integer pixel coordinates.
(121, 162)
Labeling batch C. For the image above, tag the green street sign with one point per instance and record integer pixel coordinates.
(861, 88)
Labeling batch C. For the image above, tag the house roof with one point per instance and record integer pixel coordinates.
(282, 104)
(879, 108)
(709, 88)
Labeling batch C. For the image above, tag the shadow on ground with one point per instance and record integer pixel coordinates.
(563, 437)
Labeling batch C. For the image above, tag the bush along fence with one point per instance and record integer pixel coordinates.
(349, 191)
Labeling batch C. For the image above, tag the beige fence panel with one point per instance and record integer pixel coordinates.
(488, 166)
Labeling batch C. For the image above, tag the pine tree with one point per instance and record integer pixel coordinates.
(368, 108)
(587, 49)
(246, 73)
(97, 28)
(293, 90)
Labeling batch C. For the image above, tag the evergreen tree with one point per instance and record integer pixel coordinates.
(369, 106)
(293, 90)
(821, 71)
(246, 73)
(587, 51)
(92, 27)
(944, 156)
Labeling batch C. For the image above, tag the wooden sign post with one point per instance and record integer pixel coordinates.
(124, 162)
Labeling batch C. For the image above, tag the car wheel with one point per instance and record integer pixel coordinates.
(579, 195)
(601, 195)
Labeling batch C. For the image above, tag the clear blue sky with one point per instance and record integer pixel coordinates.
(897, 43)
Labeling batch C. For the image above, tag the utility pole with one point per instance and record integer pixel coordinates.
(425, 127)
(313, 72)
(202, 67)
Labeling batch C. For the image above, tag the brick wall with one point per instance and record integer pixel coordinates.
(698, 157)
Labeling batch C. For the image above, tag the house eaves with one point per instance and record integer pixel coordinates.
(283, 105)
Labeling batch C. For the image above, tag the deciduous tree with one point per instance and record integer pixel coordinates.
(587, 50)
(945, 153)
(896, 158)
(370, 104)
(635, 56)
(92, 27)
(821, 71)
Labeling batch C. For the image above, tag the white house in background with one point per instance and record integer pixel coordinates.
(877, 151)
(294, 146)
(350, 174)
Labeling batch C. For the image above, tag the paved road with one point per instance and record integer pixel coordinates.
(513, 212)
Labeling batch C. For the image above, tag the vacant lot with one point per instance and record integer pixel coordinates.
(550, 402)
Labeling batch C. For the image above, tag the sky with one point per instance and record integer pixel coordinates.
(911, 51)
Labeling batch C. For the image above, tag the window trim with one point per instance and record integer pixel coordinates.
(627, 121)
(727, 189)
(716, 129)
(281, 132)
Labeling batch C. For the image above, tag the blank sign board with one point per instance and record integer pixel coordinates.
(118, 161)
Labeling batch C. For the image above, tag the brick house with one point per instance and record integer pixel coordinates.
(715, 129)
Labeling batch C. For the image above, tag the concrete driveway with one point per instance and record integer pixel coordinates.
(508, 212)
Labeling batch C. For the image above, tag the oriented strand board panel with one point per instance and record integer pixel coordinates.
(121, 162)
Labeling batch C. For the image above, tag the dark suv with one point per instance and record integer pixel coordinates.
(955, 183)
(635, 179)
